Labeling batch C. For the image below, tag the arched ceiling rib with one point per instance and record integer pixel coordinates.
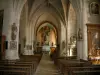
(51, 10)
(65, 4)
(30, 3)
(44, 18)
(54, 6)
(47, 15)
(77, 5)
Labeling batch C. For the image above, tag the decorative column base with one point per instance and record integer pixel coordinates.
(11, 55)
(28, 52)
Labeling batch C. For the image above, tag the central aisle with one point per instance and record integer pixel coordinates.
(46, 66)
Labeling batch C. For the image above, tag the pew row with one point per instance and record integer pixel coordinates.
(25, 66)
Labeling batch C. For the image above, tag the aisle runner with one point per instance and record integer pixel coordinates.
(46, 66)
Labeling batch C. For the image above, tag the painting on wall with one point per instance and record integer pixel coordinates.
(13, 45)
(96, 40)
(45, 34)
(94, 8)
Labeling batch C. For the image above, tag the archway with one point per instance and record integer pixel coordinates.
(46, 37)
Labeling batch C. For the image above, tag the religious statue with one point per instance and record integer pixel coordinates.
(94, 8)
(96, 40)
(13, 31)
(72, 46)
(80, 34)
(45, 35)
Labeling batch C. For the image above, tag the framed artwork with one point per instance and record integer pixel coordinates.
(13, 45)
(94, 8)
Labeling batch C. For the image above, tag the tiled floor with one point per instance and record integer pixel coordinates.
(46, 66)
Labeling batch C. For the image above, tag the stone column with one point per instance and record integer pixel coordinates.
(28, 48)
(79, 42)
(12, 52)
(12, 34)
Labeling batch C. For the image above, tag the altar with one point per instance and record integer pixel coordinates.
(95, 60)
(46, 48)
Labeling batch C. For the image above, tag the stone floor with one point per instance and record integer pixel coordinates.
(46, 66)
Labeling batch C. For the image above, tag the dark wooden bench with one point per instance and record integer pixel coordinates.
(31, 57)
(25, 68)
(33, 64)
(94, 72)
(65, 64)
(27, 63)
(13, 72)
(20, 66)
(69, 70)
(68, 63)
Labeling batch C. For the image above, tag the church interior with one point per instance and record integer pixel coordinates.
(49, 37)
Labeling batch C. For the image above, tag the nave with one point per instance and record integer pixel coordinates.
(46, 66)
(69, 28)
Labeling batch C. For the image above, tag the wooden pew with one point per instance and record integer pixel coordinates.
(94, 72)
(25, 68)
(63, 64)
(69, 70)
(34, 61)
(31, 57)
(13, 72)
(68, 63)
(26, 63)
(33, 64)
(20, 66)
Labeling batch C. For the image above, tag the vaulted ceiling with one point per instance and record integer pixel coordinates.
(38, 7)
(53, 11)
